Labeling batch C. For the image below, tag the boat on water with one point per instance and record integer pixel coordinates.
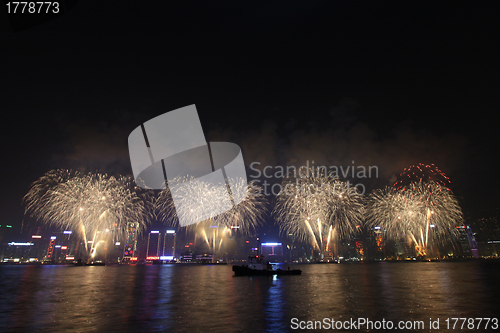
(92, 263)
(97, 263)
(258, 266)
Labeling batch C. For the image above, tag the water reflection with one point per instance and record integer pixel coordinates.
(275, 304)
(197, 298)
(163, 315)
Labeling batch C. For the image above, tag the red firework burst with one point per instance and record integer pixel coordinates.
(421, 173)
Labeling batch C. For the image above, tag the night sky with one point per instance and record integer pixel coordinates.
(387, 84)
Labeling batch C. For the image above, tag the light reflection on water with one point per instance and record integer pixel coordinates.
(198, 298)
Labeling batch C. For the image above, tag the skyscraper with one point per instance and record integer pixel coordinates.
(130, 249)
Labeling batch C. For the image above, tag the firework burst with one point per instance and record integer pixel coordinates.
(195, 200)
(88, 204)
(421, 173)
(420, 210)
(316, 207)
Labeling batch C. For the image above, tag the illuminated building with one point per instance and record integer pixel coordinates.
(379, 239)
(487, 235)
(39, 249)
(130, 248)
(359, 249)
(18, 252)
(3, 230)
(467, 242)
(161, 246)
(271, 250)
(153, 248)
(63, 247)
(293, 252)
(70, 242)
(169, 241)
(491, 248)
(375, 244)
(353, 248)
(50, 249)
(204, 258)
(403, 248)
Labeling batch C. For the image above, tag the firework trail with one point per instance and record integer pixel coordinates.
(420, 210)
(87, 204)
(317, 207)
